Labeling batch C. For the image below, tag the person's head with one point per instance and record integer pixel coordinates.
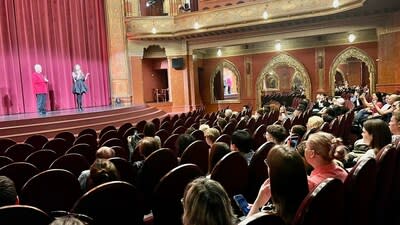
(183, 141)
(376, 134)
(38, 68)
(148, 145)
(77, 67)
(320, 148)
(301, 148)
(102, 171)
(67, 220)
(221, 123)
(288, 180)
(210, 135)
(276, 133)
(217, 151)
(203, 127)
(314, 122)
(298, 130)
(8, 192)
(105, 153)
(341, 153)
(228, 113)
(149, 129)
(394, 124)
(205, 202)
(241, 141)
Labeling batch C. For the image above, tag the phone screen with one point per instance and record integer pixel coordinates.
(242, 203)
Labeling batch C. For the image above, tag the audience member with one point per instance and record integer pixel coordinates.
(313, 125)
(149, 130)
(241, 141)
(146, 146)
(394, 126)
(210, 135)
(376, 134)
(205, 202)
(319, 153)
(101, 171)
(287, 184)
(69, 219)
(182, 142)
(203, 127)
(8, 192)
(276, 133)
(101, 153)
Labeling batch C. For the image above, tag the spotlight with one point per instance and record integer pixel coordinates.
(278, 46)
(335, 4)
(351, 38)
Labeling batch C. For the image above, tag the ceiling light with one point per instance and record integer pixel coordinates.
(219, 52)
(196, 25)
(335, 4)
(154, 30)
(265, 14)
(278, 46)
(351, 38)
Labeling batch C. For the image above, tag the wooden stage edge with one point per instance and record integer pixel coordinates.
(20, 126)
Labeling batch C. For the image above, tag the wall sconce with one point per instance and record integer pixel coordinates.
(219, 52)
(196, 25)
(335, 4)
(278, 46)
(351, 38)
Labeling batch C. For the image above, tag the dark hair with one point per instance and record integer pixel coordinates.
(278, 132)
(221, 122)
(288, 180)
(8, 192)
(217, 151)
(148, 145)
(183, 141)
(380, 132)
(300, 130)
(102, 171)
(149, 129)
(242, 140)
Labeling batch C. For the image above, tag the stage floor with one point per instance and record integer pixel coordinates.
(24, 116)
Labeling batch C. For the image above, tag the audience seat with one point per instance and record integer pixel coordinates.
(4, 160)
(167, 206)
(51, 190)
(67, 136)
(198, 135)
(19, 172)
(225, 138)
(85, 150)
(229, 128)
(58, 145)
(89, 139)
(140, 126)
(112, 142)
(196, 153)
(251, 125)
(258, 136)
(170, 143)
(123, 128)
(323, 205)
(90, 131)
(42, 159)
(121, 152)
(111, 134)
(127, 171)
(19, 152)
(73, 162)
(115, 202)
(179, 130)
(23, 214)
(36, 140)
(5, 143)
(163, 135)
(263, 218)
(106, 129)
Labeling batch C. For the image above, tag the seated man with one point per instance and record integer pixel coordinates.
(8, 192)
(241, 142)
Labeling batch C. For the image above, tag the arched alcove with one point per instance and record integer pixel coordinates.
(348, 53)
(297, 71)
(225, 83)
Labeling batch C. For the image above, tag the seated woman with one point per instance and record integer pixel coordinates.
(101, 171)
(206, 202)
(394, 126)
(210, 135)
(287, 183)
(313, 125)
(376, 134)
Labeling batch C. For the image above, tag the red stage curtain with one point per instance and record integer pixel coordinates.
(56, 34)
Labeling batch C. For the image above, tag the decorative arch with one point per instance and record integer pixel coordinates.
(283, 59)
(355, 53)
(220, 68)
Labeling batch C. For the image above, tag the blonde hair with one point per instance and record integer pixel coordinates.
(212, 133)
(314, 122)
(324, 144)
(205, 202)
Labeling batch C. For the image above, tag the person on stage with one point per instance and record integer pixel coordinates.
(39, 82)
(79, 86)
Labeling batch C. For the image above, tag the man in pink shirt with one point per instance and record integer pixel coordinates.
(39, 83)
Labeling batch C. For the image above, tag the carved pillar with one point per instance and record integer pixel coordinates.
(320, 69)
(195, 99)
(118, 61)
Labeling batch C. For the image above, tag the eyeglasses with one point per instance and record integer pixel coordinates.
(82, 217)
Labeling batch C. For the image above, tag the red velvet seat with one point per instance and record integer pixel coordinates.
(225, 138)
(323, 205)
(167, 207)
(19, 152)
(37, 141)
(179, 130)
(163, 135)
(51, 190)
(123, 128)
(198, 135)
(73, 162)
(58, 145)
(85, 150)
(140, 126)
(5, 143)
(67, 136)
(170, 143)
(4, 160)
(258, 136)
(90, 131)
(23, 214)
(19, 172)
(87, 139)
(359, 192)
(111, 134)
(196, 153)
(106, 129)
(42, 159)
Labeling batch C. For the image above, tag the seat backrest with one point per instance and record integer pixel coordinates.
(67, 136)
(115, 202)
(167, 207)
(179, 129)
(4, 160)
(58, 145)
(198, 135)
(170, 143)
(5, 143)
(323, 205)
(89, 139)
(229, 128)
(121, 152)
(123, 128)
(140, 125)
(111, 134)
(112, 142)
(196, 153)
(359, 192)
(36, 140)
(127, 172)
(73, 162)
(258, 171)
(106, 129)
(258, 136)
(24, 214)
(263, 218)
(19, 152)
(51, 190)
(84, 149)
(225, 138)
(19, 172)
(163, 135)
(88, 131)
(42, 158)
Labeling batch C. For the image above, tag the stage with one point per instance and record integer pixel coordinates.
(19, 126)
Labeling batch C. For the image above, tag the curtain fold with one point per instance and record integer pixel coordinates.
(56, 34)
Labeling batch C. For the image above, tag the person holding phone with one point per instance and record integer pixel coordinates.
(79, 85)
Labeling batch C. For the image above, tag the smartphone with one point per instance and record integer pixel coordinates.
(242, 203)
